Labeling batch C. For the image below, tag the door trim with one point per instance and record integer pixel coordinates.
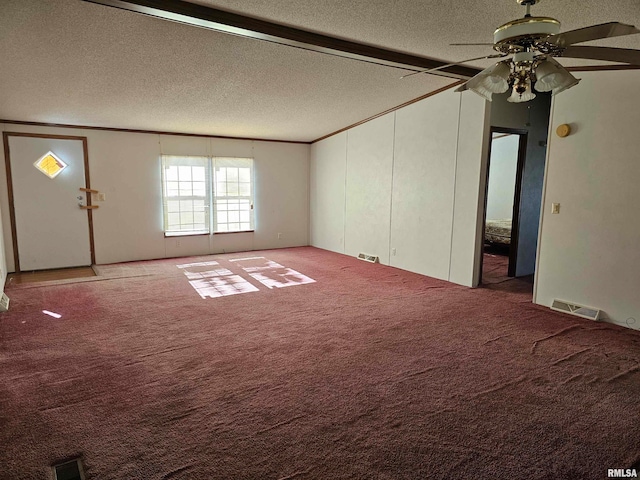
(12, 212)
(515, 218)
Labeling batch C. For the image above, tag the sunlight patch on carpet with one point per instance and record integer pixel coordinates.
(270, 273)
(211, 280)
(201, 270)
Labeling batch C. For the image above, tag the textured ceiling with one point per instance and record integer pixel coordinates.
(67, 61)
(428, 27)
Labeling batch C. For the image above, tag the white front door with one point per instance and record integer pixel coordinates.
(52, 230)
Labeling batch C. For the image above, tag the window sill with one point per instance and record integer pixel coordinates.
(184, 234)
(239, 231)
(201, 234)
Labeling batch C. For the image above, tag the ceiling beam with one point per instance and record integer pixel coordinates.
(240, 25)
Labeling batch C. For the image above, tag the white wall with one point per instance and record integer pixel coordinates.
(589, 253)
(470, 183)
(368, 188)
(502, 177)
(327, 192)
(412, 189)
(128, 225)
(423, 185)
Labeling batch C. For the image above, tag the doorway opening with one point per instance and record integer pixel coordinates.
(502, 204)
(514, 182)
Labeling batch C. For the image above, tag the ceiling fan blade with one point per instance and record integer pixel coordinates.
(622, 55)
(594, 32)
(467, 44)
(497, 55)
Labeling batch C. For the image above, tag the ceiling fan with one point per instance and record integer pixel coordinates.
(533, 42)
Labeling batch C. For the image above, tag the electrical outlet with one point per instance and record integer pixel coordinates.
(177, 243)
(393, 251)
(555, 208)
(102, 197)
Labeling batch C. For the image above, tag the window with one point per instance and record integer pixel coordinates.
(202, 191)
(186, 195)
(50, 165)
(233, 199)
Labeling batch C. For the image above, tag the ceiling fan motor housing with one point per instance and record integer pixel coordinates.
(522, 33)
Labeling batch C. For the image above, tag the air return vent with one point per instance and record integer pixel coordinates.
(369, 258)
(577, 310)
(4, 303)
(71, 470)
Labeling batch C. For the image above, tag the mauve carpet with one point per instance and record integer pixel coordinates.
(370, 372)
(495, 269)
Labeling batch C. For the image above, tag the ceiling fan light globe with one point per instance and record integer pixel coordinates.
(496, 80)
(489, 81)
(495, 84)
(570, 81)
(477, 87)
(521, 93)
(525, 97)
(550, 75)
(483, 92)
(547, 84)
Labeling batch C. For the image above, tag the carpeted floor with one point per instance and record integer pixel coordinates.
(495, 268)
(341, 370)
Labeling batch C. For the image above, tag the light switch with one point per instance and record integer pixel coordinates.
(555, 208)
(102, 196)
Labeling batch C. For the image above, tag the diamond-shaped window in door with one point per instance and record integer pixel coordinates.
(50, 165)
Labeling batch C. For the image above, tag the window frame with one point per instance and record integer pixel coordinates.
(210, 194)
(228, 162)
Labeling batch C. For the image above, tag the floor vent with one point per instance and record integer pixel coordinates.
(4, 303)
(577, 310)
(69, 470)
(369, 258)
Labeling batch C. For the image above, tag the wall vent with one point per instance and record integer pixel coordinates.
(4, 303)
(71, 470)
(369, 258)
(577, 310)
